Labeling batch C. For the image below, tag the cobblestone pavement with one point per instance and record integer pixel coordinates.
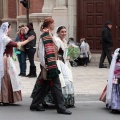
(87, 80)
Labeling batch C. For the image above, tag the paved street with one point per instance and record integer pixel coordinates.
(90, 109)
(88, 82)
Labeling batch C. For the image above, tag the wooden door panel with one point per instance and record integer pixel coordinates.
(94, 12)
(91, 17)
(117, 40)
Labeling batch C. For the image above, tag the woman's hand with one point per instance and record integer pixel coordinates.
(31, 38)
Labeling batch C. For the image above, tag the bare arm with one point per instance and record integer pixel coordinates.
(19, 44)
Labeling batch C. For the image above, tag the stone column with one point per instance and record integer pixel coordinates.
(61, 3)
(5, 9)
(72, 18)
(48, 6)
(1, 9)
(60, 14)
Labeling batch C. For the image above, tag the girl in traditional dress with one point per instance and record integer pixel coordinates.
(10, 87)
(113, 87)
(66, 77)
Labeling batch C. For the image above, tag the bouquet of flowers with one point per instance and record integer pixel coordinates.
(73, 52)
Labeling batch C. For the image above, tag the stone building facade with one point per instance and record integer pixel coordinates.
(82, 18)
(62, 11)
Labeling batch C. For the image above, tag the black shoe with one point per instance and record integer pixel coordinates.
(30, 72)
(23, 75)
(37, 108)
(28, 75)
(5, 104)
(33, 75)
(67, 112)
(102, 66)
(20, 74)
(45, 105)
(33, 72)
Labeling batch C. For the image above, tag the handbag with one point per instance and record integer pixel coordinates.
(103, 95)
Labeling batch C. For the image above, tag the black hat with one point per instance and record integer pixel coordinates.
(108, 23)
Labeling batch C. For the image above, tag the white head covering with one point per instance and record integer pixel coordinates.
(3, 33)
(111, 77)
(83, 48)
(58, 41)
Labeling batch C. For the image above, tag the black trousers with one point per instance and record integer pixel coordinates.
(105, 52)
(56, 91)
(31, 53)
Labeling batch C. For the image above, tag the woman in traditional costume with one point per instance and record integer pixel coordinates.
(10, 87)
(113, 86)
(66, 77)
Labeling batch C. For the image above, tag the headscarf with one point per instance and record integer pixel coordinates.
(111, 77)
(3, 33)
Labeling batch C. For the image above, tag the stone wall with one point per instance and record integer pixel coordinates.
(62, 11)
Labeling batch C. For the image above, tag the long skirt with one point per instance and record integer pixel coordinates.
(67, 91)
(115, 98)
(7, 95)
(68, 97)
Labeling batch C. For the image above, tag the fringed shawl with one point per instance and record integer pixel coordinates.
(50, 57)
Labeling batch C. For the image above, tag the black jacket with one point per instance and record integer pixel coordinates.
(106, 39)
(32, 43)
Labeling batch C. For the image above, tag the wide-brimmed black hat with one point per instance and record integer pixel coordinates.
(108, 23)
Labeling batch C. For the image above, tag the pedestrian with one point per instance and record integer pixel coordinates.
(113, 86)
(106, 42)
(10, 87)
(49, 76)
(30, 49)
(64, 66)
(21, 54)
(66, 78)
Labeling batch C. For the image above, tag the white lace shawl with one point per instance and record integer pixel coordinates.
(1, 60)
(61, 44)
(3, 42)
(41, 53)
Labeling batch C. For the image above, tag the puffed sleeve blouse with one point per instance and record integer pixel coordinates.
(9, 48)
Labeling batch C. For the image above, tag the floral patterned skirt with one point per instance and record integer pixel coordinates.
(115, 98)
(69, 98)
